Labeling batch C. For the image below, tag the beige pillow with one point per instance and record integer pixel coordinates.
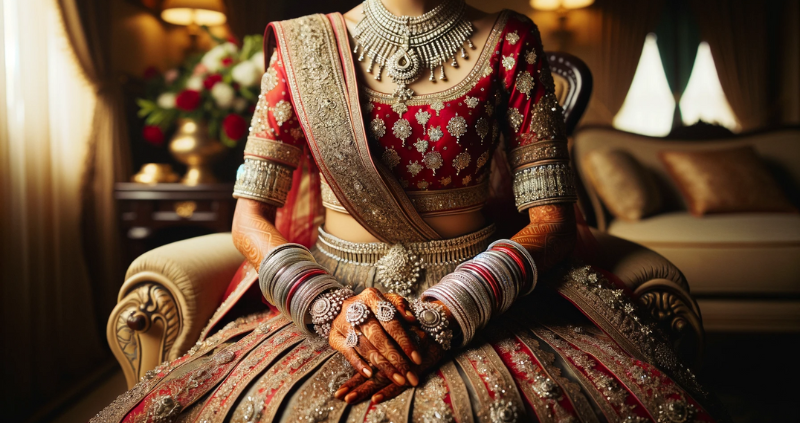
(627, 189)
(725, 181)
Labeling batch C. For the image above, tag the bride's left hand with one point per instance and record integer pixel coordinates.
(379, 387)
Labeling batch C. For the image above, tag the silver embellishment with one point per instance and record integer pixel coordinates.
(282, 112)
(224, 356)
(384, 311)
(433, 320)
(508, 62)
(414, 168)
(512, 37)
(402, 130)
(471, 102)
(433, 161)
(437, 106)
(421, 145)
(482, 128)
(357, 313)
(457, 127)
(351, 341)
(461, 161)
(422, 117)
(398, 270)
(531, 57)
(399, 108)
(545, 184)
(525, 83)
(435, 133)
(377, 127)
(514, 118)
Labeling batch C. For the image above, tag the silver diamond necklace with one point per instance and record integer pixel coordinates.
(406, 45)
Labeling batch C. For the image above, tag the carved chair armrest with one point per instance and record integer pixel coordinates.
(168, 296)
(660, 287)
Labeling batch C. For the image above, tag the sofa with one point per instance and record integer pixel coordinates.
(744, 268)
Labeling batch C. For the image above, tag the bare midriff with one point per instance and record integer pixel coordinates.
(344, 226)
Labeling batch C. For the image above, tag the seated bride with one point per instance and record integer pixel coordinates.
(407, 305)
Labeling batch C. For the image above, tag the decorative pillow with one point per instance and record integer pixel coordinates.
(725, 181)
(627, 189)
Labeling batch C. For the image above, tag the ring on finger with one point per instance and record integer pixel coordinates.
(357, 313)
(351, 340)
(384, 311)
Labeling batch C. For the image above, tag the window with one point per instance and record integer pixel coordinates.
(704, 99)
(649, 106)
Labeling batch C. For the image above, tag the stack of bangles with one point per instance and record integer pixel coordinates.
(291, 280)
(483, 287)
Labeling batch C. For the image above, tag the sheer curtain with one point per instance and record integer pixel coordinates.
(48, 336)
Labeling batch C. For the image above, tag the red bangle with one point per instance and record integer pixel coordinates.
(300, 280)
(511, 252)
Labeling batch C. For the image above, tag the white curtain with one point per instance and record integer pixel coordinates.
(48, 336)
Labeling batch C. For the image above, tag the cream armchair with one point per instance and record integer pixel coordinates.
(170, 293)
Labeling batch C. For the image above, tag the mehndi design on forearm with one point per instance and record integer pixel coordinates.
(254, 233)
(551, 235)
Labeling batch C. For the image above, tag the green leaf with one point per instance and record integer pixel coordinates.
(247, 94)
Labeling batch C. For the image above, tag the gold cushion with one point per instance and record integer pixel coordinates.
(626, 188)
(725, 181)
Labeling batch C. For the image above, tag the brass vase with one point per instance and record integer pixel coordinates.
(193, 146)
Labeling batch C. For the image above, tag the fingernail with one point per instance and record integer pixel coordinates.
(409, 314)
(412, 378)
(416, 357)
(399, 379)
(367, 372)
(338, 394)
(377, 398)
(350, 397)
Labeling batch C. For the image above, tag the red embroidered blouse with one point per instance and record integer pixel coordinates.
(443, 140)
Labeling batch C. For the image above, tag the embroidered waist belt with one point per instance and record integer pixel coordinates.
(432, 253)
(406, 269)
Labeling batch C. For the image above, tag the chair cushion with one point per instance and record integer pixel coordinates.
(743, 253)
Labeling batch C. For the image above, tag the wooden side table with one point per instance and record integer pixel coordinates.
(156, 215)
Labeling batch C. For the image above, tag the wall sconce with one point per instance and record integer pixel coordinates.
(562, 7)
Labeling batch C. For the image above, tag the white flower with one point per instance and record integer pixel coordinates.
(223, 95)
(166, 101)
(239, 104)
(212, 60)
(194, 83)
(246, 74)
(258, 60)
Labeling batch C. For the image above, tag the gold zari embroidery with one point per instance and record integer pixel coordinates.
(273, 150)
(450, 201)
(532, 153)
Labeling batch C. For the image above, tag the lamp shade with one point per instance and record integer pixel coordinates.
(199, 12)
(559, 4)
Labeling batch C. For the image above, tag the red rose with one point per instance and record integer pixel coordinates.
(153, 135)
(227, 61)
(211, 80)
(235, 126)
(151, 72)
(187, 100)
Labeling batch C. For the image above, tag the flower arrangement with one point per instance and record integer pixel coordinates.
(219, 87)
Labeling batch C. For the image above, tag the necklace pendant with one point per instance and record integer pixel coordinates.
(402, 93)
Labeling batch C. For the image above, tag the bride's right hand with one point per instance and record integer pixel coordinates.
(378, 341)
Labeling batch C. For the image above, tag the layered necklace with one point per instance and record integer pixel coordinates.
(406, 45)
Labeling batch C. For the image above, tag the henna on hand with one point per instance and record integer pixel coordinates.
(359, 388)
(551, 235)
(254, 233)
(380, 343)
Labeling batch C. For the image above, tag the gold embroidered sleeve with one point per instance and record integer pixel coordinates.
(266, 174)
